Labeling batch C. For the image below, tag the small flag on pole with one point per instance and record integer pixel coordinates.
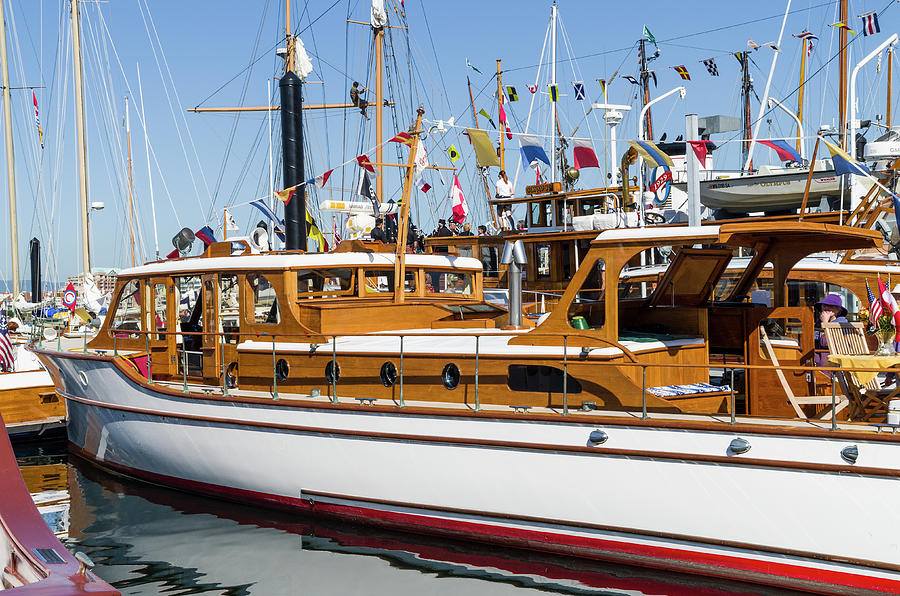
(469, 65)
(277, 224)
(554, 92)
(532, 88)
(810, 40)
(504, 123)
(365, 163)
(843, 163)
(682, 72)
(511, 93)
(230, 224)
(584, 154)
(710, 64)
(579, 90)
(530, 147)
(631, 79)
(453, 153)
(205, 234)
(37, 119)
(741, 57)
(700, 150)
(875, 308)
(652, 154)
(843, 26)
(7, 361)
(320, 180)
(650, 37)
(785, 152)
(425, 187)
(870, 23)
(313, 232)
(602, 87)
(484, 113)
(458, 201)
(287, 194)
(402, 137)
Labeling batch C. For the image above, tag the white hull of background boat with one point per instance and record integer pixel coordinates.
(776, 192)
(784, 513)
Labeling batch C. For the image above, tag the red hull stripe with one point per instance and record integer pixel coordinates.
(825, 581)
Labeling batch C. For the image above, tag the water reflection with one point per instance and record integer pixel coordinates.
(149, 540)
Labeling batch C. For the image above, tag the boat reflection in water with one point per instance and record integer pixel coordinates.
(149, 540)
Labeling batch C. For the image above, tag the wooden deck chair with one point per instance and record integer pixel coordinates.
(847, 339)
(796, 402)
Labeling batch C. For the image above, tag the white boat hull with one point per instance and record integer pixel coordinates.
(785, 513)
(749, 194)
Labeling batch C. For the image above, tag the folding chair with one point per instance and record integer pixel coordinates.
(849, 339)
(840, 401)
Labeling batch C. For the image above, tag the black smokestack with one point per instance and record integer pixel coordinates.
(35, 270)
(292, 150)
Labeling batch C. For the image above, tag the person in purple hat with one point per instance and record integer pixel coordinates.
(829, 310)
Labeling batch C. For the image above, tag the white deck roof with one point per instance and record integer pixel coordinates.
(647, 234)
(298, 261)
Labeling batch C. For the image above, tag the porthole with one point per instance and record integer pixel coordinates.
(231, 375)
(388, 374)
(332, 371)
(450, 376)
(281, 370)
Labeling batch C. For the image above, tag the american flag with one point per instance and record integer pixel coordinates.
(6, 352)
(875, 309)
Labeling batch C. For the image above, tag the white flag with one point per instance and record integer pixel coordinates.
(230, 224)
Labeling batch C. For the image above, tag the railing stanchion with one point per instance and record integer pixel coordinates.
(184, 361)
(334, 372)
(59, 342)
(224, 370)
(565, 375)
(401, 372)
(643, 392)
(733, 420)
(115, 343)
(84, 342)
(477, 402)
(274, 371)
(833, 413)
(149, 358)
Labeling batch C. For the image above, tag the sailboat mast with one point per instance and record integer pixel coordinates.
(10, 162)
(130, 185)
(645, 89)
(890, 80)
(745, 96)
(499, 107)
(803, 43)
(553, 103)
(291, 89)
(82, 140)
(842, 76)
(379, 111)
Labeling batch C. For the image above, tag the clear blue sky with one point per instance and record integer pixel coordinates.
(200, 50)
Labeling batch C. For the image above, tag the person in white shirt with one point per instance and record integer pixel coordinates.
(504, 186)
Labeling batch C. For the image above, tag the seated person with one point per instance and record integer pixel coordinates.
(830, 310)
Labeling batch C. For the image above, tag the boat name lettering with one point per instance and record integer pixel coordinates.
(537, 189)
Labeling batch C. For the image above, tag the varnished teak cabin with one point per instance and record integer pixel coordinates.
(275, 317)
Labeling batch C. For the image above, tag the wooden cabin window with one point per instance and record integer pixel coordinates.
(265, 300)
(326, 283)
(540, 379)
(489, 261)
(381, 282)
(447, 282)
(542, 258)
(160, 313)
(128, 311)
(229, 308)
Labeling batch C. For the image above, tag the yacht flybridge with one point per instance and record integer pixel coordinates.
(318, 382)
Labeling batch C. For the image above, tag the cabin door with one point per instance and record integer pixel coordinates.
(211, 339)
(163, 309)
(790, 334)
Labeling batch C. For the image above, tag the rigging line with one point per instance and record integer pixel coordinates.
(689, 35)
(834, 57)
(142, 4)
(237, 120)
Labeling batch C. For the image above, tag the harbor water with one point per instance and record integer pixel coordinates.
(150, 540)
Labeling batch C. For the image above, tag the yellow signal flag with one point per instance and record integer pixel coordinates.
(554, 93)
(485, 154)
(287, 194)
(453, 152)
